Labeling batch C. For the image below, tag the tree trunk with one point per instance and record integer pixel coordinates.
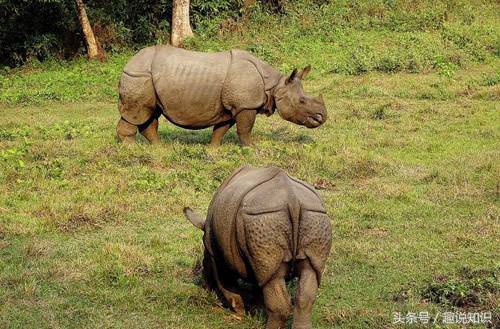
(92, 50)
(181, 28)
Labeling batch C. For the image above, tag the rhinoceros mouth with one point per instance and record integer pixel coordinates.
(314, 121)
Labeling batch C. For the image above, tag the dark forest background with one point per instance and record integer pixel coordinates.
(44, 28)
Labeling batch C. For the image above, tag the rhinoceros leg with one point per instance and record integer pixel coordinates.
(219, 131)
(277, 299)
(137, 103)
(244, 124)
(221, 282)
(126, 131)
(305, 295)
(150, 129)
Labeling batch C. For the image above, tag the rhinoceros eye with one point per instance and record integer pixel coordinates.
(302, 99)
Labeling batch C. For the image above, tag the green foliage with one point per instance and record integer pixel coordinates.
(446, 69)
(126, 23)
(13, 156)
(148, 180)
(407, 163)
(490, 79)
(380, 113)
(37, 29)
(40, 29)
(205, 13)
(14, 133)
(66, 130)
(470, 289)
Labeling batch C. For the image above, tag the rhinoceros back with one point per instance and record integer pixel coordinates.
(189, 84)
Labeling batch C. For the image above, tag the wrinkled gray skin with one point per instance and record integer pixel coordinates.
(197, 90)
(263, 226)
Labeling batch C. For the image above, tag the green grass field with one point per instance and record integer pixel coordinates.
(92, 232)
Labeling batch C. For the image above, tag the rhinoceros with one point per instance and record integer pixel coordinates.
(264, 227)
(196, 90)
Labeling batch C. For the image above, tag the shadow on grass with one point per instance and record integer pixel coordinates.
(282, 134)
(192, 137)
(250, 292)
(203, 136)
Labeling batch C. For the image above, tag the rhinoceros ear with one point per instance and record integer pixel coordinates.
(194, 218)
(304, 72)
(291, 77)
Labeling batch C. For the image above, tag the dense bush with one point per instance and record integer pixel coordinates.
(37, 28)
(43, 28)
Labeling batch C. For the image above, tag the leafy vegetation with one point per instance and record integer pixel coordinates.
(472, 289)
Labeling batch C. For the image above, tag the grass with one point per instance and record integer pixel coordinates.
(363, 36)
(59, 81)
(92, 232)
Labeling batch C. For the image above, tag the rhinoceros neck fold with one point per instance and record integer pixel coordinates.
(278, 95)
(269, 106)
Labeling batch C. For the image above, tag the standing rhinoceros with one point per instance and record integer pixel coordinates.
(197, 90)
(263, 226)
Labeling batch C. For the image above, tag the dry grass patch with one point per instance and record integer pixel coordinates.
(73, 218)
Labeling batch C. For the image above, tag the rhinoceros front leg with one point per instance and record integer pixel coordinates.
(150, 130)
(305, 295)
(244, 124)
(277, 299)
(126, 131)
(219, 131)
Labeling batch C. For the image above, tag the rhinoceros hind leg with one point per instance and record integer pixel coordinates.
(277, 299)
(219, 131)
(137, 101)
(150, 129)
(305, 295)
(126, 131)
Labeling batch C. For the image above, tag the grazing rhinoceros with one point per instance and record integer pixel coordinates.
(264, 226)
(197, 90)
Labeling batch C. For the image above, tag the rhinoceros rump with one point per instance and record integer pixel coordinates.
(263, 226)
(197, 90)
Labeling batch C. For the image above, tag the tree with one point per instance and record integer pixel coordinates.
(92, 49)
(181, 28)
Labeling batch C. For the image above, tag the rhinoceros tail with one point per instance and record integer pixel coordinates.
(194, 218)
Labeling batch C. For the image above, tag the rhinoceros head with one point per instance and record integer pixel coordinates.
(295, 105)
